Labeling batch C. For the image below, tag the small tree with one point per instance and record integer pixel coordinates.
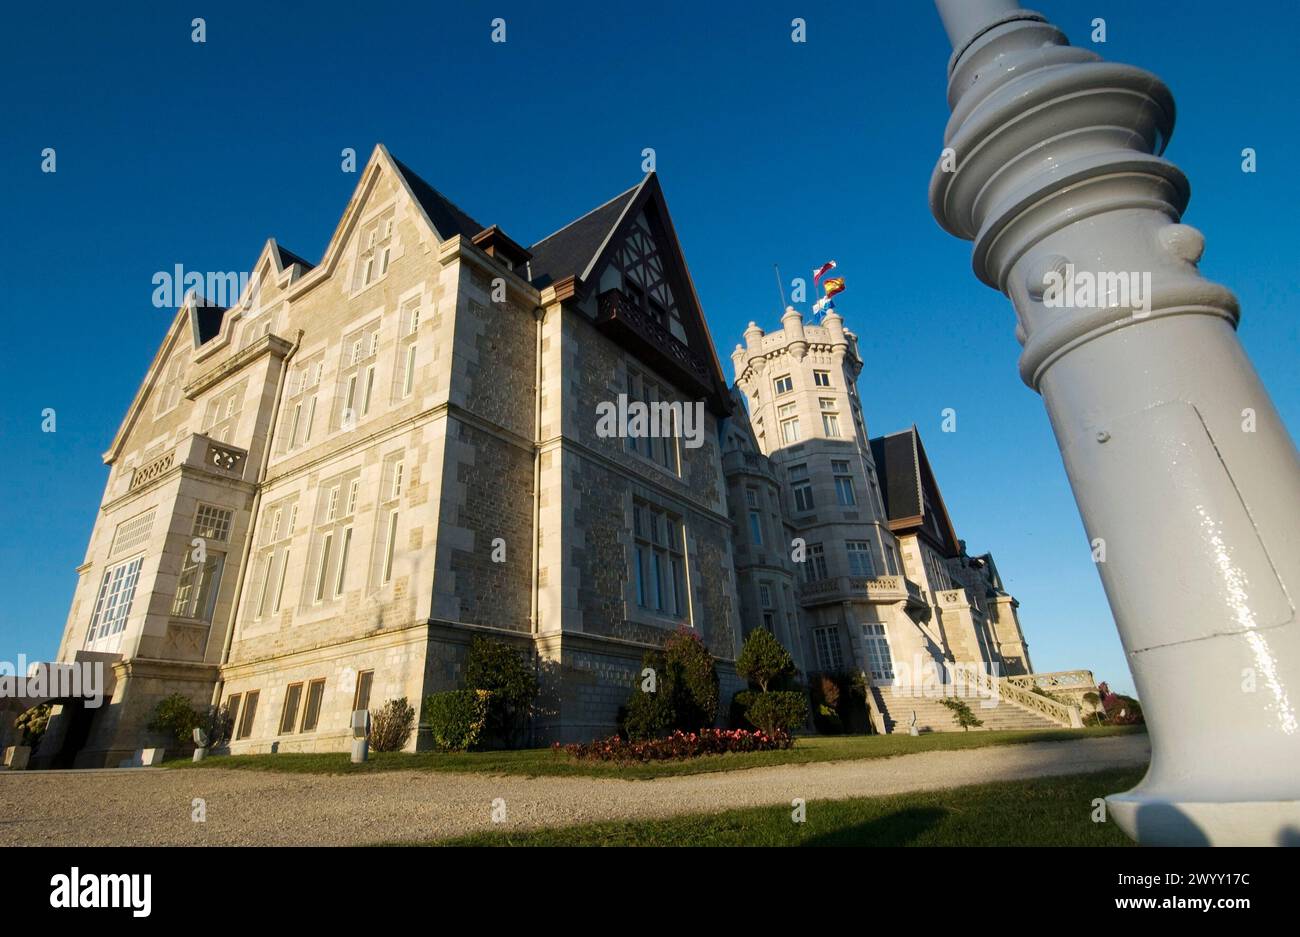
(391, 725)
(500, 669)
(961, 713)
(763, 660)
(175, 716)
(32, 723)
(697, 689)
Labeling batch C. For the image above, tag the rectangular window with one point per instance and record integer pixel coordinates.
(311, 714)
(232, 709)
(844, 490)
(803, 496)
(879, 657)
(113, 605)
(783, 384)
(408, 381)
(212, 523)
(361, 698)
(323, 570)
(822, 378)
(250, 714)
(289, 716)
(660, 560)
(756, 528)
(829, 656)
(751, 497)
(196, 589)
(398, 468)
(891, 560)
(369, 391)
(790, 430)
(765, 594)
(390, 547)
(331, 510)
(769, 622)
(353, 490)
(343, 561)
(826, 403)
(830, 424)
(860, 561)
(816, 562)
(279, 587)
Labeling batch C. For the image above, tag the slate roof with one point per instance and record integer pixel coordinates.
(288, 258)
(898, 465)
(207, 320)
(447, 219)
(569, 251)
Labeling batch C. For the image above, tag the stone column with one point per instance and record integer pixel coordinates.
(1187, 480)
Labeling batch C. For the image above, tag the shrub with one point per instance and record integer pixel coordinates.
(778, 712)
(217, 723)
(499, 668)
(737, 717)
(391, 725)
(1120, 710)
(456, 719)
(175, 716)
(696, 702)
(650, 714)
(961, 713)
(685, 694)
(32, 723)
(677, 745)
(763, 660)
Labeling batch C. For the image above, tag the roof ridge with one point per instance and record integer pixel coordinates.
(604, 204)
(413, 177)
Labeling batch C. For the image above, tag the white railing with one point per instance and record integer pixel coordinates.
(1061, 713)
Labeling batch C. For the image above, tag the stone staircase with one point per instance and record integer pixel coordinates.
(933, 716)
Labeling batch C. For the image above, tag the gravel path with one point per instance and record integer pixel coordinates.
(154, 806)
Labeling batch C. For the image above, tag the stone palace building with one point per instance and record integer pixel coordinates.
(320, 493)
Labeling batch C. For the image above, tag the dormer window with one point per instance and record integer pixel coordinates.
(374, 251)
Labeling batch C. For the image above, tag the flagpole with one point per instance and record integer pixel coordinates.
(780, 287)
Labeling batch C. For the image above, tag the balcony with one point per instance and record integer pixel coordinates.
(750, 463)
(199, 452)
(882, 590)
(649, 339)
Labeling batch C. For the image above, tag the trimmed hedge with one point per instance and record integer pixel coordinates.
(456, 719)
(777, 711)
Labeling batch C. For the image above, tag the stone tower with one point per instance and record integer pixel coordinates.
(800, 386)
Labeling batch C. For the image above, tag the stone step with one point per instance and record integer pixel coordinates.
(933, 716)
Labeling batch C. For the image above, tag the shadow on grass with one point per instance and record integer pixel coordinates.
(900, 828)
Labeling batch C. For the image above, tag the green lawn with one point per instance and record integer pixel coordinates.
(534, 762)
(1043, 812)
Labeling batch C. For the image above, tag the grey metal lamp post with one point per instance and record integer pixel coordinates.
(1186, 478)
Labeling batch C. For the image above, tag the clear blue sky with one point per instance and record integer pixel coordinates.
(173, 152)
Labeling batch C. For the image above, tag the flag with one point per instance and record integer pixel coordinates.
(825, 304)
(823, 270)
(833, 285)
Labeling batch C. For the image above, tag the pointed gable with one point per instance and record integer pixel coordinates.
(622, 262)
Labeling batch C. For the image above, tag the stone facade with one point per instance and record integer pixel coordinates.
(322, 492)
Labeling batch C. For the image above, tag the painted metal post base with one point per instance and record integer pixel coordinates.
(200, 754)
(1186, 478)
(360, 751)
(1158, 820)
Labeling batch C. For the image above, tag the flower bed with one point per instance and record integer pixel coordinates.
(678, 745)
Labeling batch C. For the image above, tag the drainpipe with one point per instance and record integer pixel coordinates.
(539, 316)
(1186, 478)
(252, 520)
